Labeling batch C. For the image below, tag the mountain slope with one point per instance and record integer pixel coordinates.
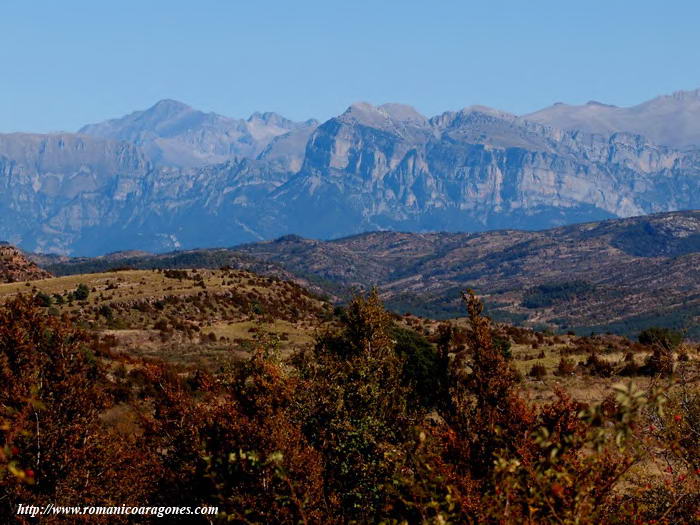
(619, 275)
(671, 120)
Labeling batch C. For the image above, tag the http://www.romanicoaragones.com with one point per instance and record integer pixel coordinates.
(124, 510)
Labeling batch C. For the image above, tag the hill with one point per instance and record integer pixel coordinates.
(619, 275)
(196, 317)
(215, 258)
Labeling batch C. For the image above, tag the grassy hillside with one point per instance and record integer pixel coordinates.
(205, 318)
(181, 315)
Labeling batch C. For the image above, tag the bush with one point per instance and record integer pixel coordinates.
(81, 293)
(504, 346)
(42, 299)
(630, 366)
(106, 311)
(374, 424)
(421, 365)
(599, 367)
(537, 371)
(566, 367)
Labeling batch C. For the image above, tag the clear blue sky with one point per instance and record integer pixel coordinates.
(64, 64)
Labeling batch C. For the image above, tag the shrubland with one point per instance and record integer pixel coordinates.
(381, 419)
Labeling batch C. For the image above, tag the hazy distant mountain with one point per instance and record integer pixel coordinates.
(153, 180)
(174, 134)
(55, 188)
(671, 120)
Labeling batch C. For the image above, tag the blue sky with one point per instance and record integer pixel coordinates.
(64, 64)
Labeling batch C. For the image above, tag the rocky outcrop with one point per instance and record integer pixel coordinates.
(477, 169)
(15, 267)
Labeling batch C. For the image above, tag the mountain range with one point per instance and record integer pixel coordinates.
(172, 177)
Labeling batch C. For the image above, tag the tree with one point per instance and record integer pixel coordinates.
(354, 407)
(664, 337)
(42, 299)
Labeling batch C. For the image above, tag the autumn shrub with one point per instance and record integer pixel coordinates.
(598, 366)
(354, 408)
(571, 474)
(565, 367)
(662, 342)
(374, 423)
(660, 362)
(52, 394)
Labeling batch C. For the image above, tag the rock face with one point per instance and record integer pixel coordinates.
(172, 177)
(55, 188)
(477, 169)
(14, 266)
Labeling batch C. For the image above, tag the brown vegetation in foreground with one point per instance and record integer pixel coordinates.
(372, 424)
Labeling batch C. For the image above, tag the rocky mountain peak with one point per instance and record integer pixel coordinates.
(386, 116)
(270, 117)
(168, 106)
(686, 95)
(596, 103)
(470, 115)
(403, 113)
